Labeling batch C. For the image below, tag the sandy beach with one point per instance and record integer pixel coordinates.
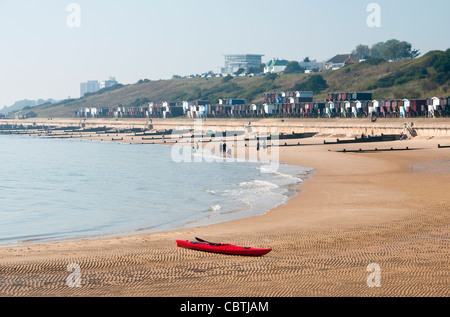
(390, 208)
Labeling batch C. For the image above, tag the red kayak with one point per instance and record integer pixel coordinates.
(202, 245)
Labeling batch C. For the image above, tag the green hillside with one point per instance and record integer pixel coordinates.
(422, 77)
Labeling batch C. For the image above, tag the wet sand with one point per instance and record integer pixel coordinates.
(391, 208)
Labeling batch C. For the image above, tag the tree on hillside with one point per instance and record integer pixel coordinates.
(375, 50)
(315, 83)
(442, 62)
(363, 51)
(293, 67)
(389, 50)
(394, 49)
(442, 66)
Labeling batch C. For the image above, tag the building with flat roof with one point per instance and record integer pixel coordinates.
(95, 85)
(235, 61)
(108, 83)
(89, 86)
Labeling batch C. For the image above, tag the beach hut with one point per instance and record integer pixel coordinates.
(268, 109)
(370, 108)
(365, 107)
(347, 108)
(406, 108)
(361, 96)
(331, 97)
(354, 109)
(306, 109)
(303, 96)
(376, 107)
(330, 108)
(445, 106)
(359, 108)
(394, 108)
(436, 102)
(433, 106)
(261, 111)
(437, 105)
(402, 111)
(320, 109)
(382, 106)
(340, 108)
(185, 105)
(418, 106)
(388, 107)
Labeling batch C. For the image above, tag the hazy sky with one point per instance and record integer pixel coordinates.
(42, 56)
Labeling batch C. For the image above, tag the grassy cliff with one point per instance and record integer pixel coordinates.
(416, 78)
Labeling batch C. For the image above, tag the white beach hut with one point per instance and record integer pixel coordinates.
(330, 108)
(405, 108)
(375, 106)
(436, 103)
(358, 106)
(434, 106)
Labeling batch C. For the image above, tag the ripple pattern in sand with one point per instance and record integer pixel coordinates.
(413, 254)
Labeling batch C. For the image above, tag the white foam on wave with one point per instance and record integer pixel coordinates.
(256, 194)
(214, 208)
(275, 187)
(266, 170)
(257, 183)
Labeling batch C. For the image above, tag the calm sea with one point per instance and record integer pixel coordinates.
(56, 190)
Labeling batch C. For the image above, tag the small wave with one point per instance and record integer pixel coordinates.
(256, 183)
(211, 192)
(263, 169)
(214, 208)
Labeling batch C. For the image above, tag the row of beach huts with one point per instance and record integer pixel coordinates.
(282, 104)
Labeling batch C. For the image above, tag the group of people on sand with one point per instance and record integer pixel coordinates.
(365, 135)
(227, 151)
(403, 135)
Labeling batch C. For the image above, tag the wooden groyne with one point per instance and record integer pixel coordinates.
(376, 150)
(369, 139)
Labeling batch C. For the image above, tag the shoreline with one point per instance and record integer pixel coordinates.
(290, 191)
(358, 209)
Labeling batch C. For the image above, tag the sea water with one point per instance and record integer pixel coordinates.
(59, 189)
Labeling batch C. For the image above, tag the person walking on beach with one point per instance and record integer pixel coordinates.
(224, 148)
